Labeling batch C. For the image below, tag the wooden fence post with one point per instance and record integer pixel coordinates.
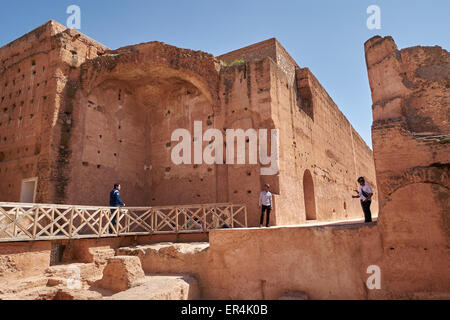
(36, 212)
(71, 223)
(100, 221)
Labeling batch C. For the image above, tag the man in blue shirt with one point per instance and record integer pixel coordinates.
(115, 201)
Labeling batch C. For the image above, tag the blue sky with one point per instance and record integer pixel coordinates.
(325, 36)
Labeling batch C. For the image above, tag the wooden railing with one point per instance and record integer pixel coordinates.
(29, 222)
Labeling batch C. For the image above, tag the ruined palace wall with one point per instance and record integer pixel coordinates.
(410, 136)
(314, 136)
(73, 49)
(33, 77)
(245, 104)
(319, 139)
(26, 86)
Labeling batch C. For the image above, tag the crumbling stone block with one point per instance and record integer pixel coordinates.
(121, 273)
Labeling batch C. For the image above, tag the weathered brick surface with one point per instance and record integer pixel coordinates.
(411, 104)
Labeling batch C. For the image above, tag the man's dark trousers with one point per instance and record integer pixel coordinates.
(267, 209)
(366, 208)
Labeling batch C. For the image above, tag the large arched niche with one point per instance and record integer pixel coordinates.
(130, 119)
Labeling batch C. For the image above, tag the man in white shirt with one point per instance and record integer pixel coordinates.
(365, 193)
(265, 202)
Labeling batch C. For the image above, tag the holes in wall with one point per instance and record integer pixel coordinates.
(168, 144)
(249, 173)
(345, 205)
(33, 62)
(99, 166)
(210, 169)
(85, 164)
(249, 191)
(120, 95)
(168, 169)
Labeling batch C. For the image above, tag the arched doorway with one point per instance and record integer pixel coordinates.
(308, 193)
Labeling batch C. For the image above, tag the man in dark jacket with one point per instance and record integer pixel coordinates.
(115, 201)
